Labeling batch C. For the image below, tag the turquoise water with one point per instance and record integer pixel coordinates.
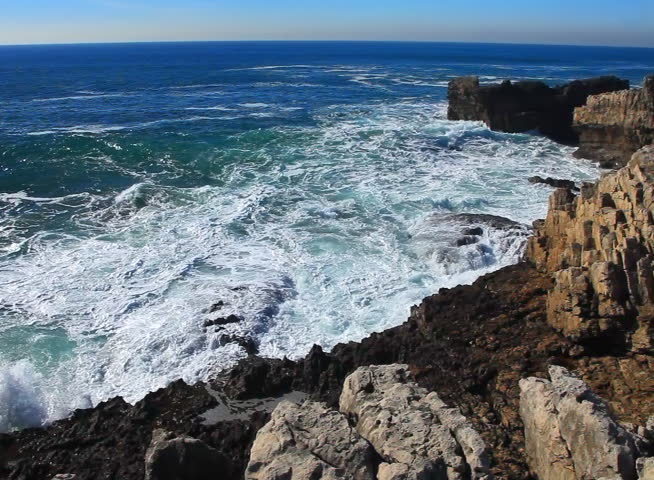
(309, 187)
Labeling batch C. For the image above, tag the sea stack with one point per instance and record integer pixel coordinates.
(528, 105)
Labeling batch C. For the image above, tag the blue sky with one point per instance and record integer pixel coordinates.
(586, 22)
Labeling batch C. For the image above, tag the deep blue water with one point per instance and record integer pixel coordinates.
(309, 186)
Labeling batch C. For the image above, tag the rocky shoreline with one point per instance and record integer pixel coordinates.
(543, 370)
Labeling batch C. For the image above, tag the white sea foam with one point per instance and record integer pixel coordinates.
(324, 234)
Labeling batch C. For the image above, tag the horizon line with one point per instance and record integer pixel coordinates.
(145, 42)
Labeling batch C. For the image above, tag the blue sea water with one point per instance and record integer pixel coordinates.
(309, 187)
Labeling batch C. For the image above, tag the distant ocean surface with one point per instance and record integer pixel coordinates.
(308, 187)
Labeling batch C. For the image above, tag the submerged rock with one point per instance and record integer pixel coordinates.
(523, 106)
(554, 182)
(612, 126)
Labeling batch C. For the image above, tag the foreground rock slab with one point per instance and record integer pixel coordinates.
(309, 441)
(415, 433)
(570, 433)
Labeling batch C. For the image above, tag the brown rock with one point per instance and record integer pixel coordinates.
(612, 126)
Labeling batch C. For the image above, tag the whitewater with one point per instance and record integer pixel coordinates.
(317, 209)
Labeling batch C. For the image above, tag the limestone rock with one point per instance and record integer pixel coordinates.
(182, 458)
(570, 433)
(309, 441)
(645, 467)
(612, 126)
(524, 106)
(415, 433)
(599, 247)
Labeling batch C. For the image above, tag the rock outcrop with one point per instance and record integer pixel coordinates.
(612, 126)
(570, 433)
(599, 247)
(523, 106)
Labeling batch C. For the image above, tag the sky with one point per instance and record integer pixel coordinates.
(575, 22)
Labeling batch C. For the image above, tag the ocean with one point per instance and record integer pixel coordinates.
(310, 188)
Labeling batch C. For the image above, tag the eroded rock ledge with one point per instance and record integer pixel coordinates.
(529, 105)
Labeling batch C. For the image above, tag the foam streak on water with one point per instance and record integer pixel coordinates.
(319, 210)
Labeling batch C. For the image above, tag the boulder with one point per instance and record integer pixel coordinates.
(309, 441)
(413, 431)
(612, 126)
(524, 106)
(182, 458)
(570, 432)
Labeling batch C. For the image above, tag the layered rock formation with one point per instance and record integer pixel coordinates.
(612, 126)
(523, 106)
(599, 248)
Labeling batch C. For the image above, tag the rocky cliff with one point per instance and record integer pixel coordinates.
(523, 106)
(612, 126)
(599, 247)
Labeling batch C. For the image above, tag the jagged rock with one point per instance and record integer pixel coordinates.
(182, 458)
(570, 433)
(413, 431)
(612, 126)
(524, 106)
(599, 246)
(309, 441)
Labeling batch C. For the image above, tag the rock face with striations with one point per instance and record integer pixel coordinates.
(570, 433)
(599, 246)
(523, 106)
(612, 126)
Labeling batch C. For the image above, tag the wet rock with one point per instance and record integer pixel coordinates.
(613, 126)
(247, 343)
(182, 458)
(523, 106)
(413, 430)
(220, 321)
(309, 441)
(570, 432)
(216, 306)
(554, 182)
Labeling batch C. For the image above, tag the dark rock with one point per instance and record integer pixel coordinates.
(183, 458)
(554, 182)
(216, 306)
(473, 231)
(613, 126)
(247, 343)
(222, 321)
(467, 240)
(524, 106)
